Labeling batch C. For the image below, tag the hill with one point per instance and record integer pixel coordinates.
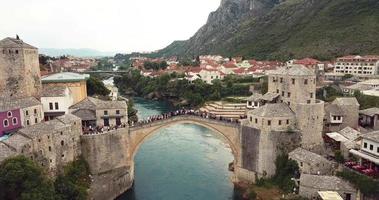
(282, 29)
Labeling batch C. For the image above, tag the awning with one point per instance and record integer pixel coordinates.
(337, 137)
(365, 156)
(329, 195)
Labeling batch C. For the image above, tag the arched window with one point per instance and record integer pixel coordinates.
(14, 121)
(5, 123)
(62, 142)
(9, 114)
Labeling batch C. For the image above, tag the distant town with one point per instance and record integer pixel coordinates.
(309, 127)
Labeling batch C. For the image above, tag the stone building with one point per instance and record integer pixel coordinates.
(369, 118)
(21, 112)
(95, 112)
(288, 109)
(52, 144)
(311, 163)
(296, 86)
(77, 83)
(19, 67)
(310, 185)
(341, 113)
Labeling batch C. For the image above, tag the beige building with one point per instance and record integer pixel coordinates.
(19, 69)
(95, 112)
(296, 85)
(52, 144)
(311, 163)
(341, 113)
(310, 185)
(77, 83)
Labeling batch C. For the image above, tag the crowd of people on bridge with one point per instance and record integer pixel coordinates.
(183, 112)
(94, 130)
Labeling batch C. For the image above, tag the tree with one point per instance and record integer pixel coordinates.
(74, 182)
(21, 178)
(96, 87)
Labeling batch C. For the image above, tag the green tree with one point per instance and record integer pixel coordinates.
(74, 182)
(21, 178)
(96, 87)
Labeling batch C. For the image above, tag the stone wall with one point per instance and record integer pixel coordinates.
(310, 122)
(20, 73)
(109, 160)
(260, 149)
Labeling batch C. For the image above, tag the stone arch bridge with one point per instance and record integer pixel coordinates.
(230, 132)
(111, 154)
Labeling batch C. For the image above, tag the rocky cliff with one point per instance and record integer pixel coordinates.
(283, 29)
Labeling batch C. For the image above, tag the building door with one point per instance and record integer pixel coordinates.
(348, 196)
(106, 122)
(118, 121)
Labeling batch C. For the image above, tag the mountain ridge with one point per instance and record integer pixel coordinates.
(284, 29)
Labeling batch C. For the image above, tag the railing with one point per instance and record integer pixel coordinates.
(155, 120)
(185, 115)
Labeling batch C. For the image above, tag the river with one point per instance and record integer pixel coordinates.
(181, 162)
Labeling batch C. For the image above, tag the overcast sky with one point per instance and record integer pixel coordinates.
(106, 25)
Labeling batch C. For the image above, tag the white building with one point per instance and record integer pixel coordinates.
(208, 75)
(357, 65)
(369, 152)
(56, 101)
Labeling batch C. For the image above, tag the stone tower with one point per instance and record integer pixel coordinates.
(19, 69)
(296, 86)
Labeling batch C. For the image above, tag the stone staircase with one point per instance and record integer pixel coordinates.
(227, 110)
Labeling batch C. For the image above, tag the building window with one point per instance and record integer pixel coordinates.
(105, 112)
(289, 94)
(311, 95)
(61, 132)
(9, 114)
(293, 81)
(269, 122)
(281, 80)
(26, 112)
(365, 145)
(27, 122)
(305, 81)
(56, 106)
(16, 51)
(51, 106)
(280, 122)
(251, 119)
(288, 121)
(117, 112)
(5, 123)
(49, 148)
(62, 155)
(14, 121)
(282, 93)
(308, 101)
(256, 120)
(301, 164)
(62, 142)
(36, 120)
(35, 111)
(377, 150)
(371, 147)
(277, 91)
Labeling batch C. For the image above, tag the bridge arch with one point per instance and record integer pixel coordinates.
(228, 131)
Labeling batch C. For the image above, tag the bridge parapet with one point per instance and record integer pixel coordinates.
(183, 118)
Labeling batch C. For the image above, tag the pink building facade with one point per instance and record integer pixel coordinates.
(10, 120)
